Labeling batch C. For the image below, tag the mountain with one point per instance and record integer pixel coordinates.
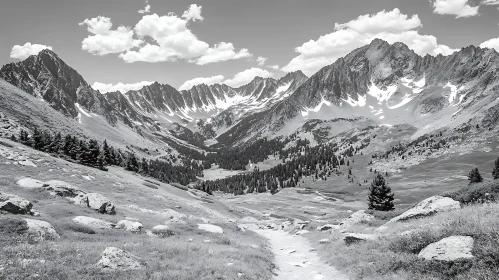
(389, 84)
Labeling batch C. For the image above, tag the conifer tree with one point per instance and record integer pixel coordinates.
(495, 170)
(474, 176)
(380, 195)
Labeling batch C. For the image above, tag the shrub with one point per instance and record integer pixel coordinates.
(10, 226)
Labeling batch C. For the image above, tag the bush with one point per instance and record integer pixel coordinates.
(477, 193)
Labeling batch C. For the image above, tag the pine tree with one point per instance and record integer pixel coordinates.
(474, 176)
(380, 195)
(495, 170)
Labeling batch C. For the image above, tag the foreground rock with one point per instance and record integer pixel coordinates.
(93, 222)
(15, 204)
(351, 238)
(114, 258)
(131, 226)
(41, 229)
(210, 228)
(449, 249)
(428, 207)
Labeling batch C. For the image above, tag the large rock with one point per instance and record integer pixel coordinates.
(449, 249)
(97, 202)
(210, 228)
(132, 226)
(41, 229)
(14, 204)
(162, 231)
(356, 218)
(428, 207)
(30, 183)
(351, 238)
(114, 258)
(173, 216)
(61, 188)
(93, 222)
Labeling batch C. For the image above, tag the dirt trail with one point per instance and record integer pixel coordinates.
(297, 259)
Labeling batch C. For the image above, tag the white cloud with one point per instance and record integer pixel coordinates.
(261, 60)
(221, 52)
(201, 80)
(275, 67)
(146, 10)
(491, 44)
(107, 41)
(170, 39)
(24, 51)
(459, 8)
(247, 76)
(315, 54)
(193, 13)
(121, 87)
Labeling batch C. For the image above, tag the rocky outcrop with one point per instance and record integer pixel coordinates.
(449, 249)
(117, 259)
(428, 207)
(131, 226)
(41, 229)
(14, 204)
(93, 222)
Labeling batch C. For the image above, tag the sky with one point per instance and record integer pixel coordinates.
(126, 44)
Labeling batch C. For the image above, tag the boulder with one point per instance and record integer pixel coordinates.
(210, 228)
(325, 227)
(162, 231)
(449, 249)
(27, 162)
(351, 238)
(14, 204)
(93, 222)
(97, 202)
(41, 229)
(117, 259)
(30, 183)
(428, 207)
(62, 189)
(132, 226)
(173, 216)
(324, 241)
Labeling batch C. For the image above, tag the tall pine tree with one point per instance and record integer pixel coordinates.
(475, 176)
(495, 170)
(380, 195)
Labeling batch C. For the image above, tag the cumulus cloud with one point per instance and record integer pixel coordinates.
(107, 41)
(392, 26)
(491, 44)
(24, 51)
(121, 87)
(146, 10)
(459, 8)
(247, 76)
(261, 60)
(201, 80)
(193, 13)
(158, 38)
(275, 67)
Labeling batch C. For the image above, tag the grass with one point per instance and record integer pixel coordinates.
(183, 255)
(477, 193)
(394, 255)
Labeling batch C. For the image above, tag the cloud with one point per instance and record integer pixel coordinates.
(247, 76)
(193, 13)
(261, 60)
(107, 41)
(275, 67)
(201, 80)
(103, 88)
(459, 8)
(24, 51)
(221, 52)
(491, 44)
(315, 54)
(157, 38)
(146, 10)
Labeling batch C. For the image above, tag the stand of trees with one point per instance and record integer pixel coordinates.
(91, 153)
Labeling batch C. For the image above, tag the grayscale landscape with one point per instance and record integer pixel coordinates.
(315, 140)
